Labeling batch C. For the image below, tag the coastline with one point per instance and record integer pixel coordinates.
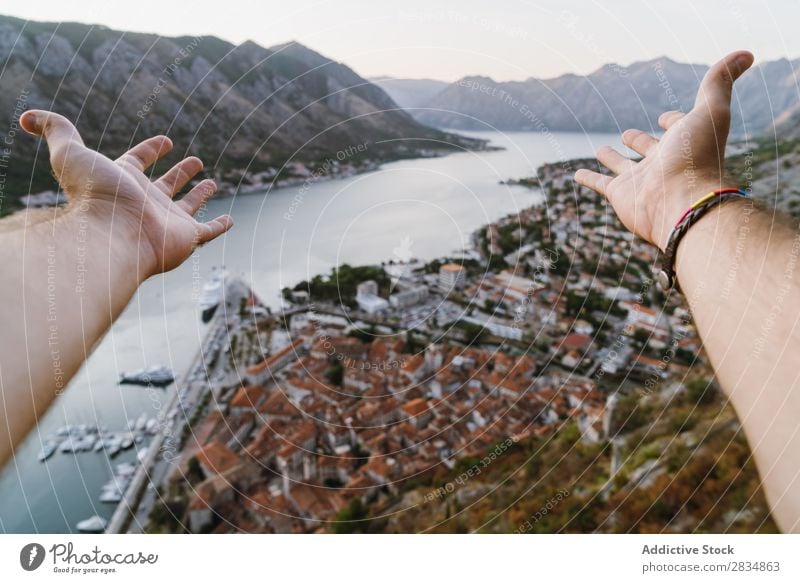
(338, 165)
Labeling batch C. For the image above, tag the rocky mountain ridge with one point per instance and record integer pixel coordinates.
(243, 108)
(613, 98)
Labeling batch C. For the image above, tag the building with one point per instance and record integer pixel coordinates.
(512, 332)
(451, 277)
(372, 304)
(409, 297)
(367, 288)
(265, 370)
(368, 299)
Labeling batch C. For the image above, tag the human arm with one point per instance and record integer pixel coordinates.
(737, 267)
(67, 277)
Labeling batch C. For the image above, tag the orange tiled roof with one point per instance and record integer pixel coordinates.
(416, 407)
(271, 360)
(217, 457)
(249, 396)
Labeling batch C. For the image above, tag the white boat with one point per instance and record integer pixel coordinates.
(48, 449)
(86, 444)
(95, 524)
(212, 293)
(67, 446)
(141, 422)
(110, 496)
(126, 443)
(112, 445)
(116, 484)
(160, 376)
(125, 469)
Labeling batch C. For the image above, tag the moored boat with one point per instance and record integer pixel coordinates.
(48, 449)
(110, 496)
(94, 524)
(159, 376)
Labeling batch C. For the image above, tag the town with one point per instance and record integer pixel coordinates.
(376, 376)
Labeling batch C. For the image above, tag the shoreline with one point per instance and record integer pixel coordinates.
(333, 168)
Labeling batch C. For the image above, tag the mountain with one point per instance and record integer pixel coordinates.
(610, 99)
(241, 108)
(410, 93)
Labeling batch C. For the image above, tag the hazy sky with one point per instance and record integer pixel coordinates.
(448, 39)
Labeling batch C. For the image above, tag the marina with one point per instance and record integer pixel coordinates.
(75, 439)
(83, 439)
(197, 384)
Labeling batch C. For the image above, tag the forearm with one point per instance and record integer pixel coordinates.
(737, 267)
(66, 280)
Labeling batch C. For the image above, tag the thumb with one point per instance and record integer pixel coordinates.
(62, 137)
(714, 95)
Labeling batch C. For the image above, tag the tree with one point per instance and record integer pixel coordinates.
(335, 373)
(341, 285)
(473, 333)
(412, 346)
(641, 336)
(700, 391)
(194, 474)
(351, 518)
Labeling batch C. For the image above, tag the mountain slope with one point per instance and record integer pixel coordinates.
(610, 99)
(239, 107)
(410, 93)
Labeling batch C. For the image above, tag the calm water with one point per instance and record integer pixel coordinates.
(279, 239)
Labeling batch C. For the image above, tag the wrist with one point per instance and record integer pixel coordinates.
(677, 201)
(93, 223)
(711, 235)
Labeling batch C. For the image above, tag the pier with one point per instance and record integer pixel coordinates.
(130, 514)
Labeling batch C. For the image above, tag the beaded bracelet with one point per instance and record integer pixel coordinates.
(666, 276)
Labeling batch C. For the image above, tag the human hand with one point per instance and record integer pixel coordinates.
(145, 218)
(650, 195)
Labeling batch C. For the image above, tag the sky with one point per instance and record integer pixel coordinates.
(450, 39)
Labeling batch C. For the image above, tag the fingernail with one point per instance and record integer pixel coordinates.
(32, 120)
(742, 61)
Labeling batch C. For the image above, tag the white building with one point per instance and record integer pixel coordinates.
(501, 330)
(368, 299)
(409, 297)
(372, 304)
(367, 288)
(451, 276)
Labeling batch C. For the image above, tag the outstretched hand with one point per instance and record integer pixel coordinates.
(119, 194)
(650, 195)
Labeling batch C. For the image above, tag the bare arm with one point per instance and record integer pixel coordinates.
(737, 267)
(67, 277)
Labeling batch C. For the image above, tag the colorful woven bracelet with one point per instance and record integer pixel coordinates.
(666, 276)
